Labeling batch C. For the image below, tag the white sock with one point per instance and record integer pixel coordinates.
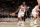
(22, 23)
(35, 21)
(19, 23)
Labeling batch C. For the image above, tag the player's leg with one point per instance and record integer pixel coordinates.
(34, 17)
(19, 19)
(22, 22)
(33, 21)
(24, 17)
(38, 19)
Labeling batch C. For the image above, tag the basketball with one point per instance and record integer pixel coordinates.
(13, 14)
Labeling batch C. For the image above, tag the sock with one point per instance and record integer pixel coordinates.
(19, 23)
(22, 23)
(35, 21)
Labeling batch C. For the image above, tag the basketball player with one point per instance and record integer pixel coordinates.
(21, 12)
(35, 12)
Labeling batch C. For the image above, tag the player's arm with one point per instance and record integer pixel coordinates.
(18, 9)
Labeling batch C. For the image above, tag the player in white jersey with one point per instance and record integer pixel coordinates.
(35, 12)
(21, 13)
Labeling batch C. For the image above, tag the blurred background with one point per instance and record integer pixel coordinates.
(7, 7)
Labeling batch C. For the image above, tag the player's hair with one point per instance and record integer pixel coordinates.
(23, 2)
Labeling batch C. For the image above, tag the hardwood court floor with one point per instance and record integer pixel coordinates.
(14, 24)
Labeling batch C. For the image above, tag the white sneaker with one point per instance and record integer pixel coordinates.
(22, 23)
(19, 23)
(35, 22)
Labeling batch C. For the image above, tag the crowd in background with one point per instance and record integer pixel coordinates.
(7, 8)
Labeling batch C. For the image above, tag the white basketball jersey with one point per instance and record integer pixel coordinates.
(34, 10)
(22, 9)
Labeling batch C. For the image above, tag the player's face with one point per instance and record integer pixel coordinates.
(38, 1)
